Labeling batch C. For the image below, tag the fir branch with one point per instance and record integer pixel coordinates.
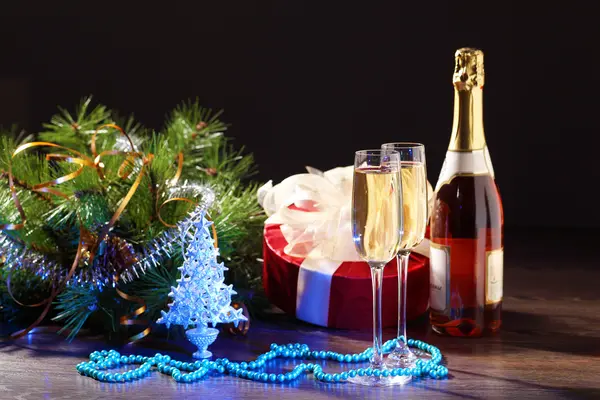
(75, 304)
(75, 131)
(33, 234)
(133, 128)
(155, 285)
(221, 161)
(192, 128)
(237, 215)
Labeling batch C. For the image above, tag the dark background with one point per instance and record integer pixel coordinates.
(308, 83)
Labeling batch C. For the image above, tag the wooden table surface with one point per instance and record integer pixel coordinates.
(549, 346)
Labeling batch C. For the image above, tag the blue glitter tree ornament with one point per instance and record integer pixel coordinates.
(201, 296)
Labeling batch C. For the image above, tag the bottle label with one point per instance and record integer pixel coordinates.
(476, 162)
(441, 297)
(439, 277)
(494, 270)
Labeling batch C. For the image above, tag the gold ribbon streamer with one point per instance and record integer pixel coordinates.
(128, 319)
(179, 169)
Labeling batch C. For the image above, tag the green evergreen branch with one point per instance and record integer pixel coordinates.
(53, 221)
(75, 131)
(75, 304)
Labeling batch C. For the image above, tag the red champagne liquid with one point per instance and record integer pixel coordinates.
(467, 222)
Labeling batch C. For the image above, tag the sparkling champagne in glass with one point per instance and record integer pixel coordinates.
(414, 204)
(377, 232)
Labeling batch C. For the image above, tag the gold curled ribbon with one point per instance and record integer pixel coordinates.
(129, 319)
(179, 169)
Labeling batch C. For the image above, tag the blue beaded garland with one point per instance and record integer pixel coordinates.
(104, 360)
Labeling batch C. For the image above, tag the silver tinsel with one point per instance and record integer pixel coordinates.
(103, 273)
(18, 256)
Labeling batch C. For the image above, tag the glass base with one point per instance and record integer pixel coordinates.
(401, 359)
(202, 337)
(379, 380)
(202, 354)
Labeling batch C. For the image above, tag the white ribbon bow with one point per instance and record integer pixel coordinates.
(325, 231)
(320, 223)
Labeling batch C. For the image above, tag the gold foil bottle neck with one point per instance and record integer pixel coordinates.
(468, 69)
(467, 127)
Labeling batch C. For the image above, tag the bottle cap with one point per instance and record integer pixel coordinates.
(468, 69)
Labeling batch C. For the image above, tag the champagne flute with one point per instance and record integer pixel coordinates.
(377, 232)
(414, 203)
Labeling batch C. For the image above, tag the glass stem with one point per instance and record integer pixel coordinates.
(377, 278)
(402, 260)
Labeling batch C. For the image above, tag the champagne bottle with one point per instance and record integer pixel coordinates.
(467, 248)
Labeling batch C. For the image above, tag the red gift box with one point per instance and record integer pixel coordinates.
(311, 268)
(338, 295)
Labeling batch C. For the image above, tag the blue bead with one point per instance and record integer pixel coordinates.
(336, 377)
(101, 376)
(361, 372)
(264, 377)
(221, 369)
(280, 378)
(394, 372)
(272, 377)
(244, 365)
(110, 378)
(322, 354)
(328, 377)
(385, 373)
(347, 358)
(252, 365)
(285, 353)
(344, 376)
(352, 373)
(377, 373)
